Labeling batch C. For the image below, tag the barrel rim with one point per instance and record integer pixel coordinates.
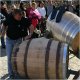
(65, 61)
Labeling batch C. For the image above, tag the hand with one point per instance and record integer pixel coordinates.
(27, 37)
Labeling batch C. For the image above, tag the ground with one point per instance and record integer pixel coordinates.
(74, 66)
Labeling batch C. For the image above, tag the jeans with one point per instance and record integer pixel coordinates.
(9, 47)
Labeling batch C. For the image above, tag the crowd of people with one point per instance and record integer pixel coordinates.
(22, 23)
(36, 11)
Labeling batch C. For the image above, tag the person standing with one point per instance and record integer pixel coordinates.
(16, 27)
(2, 18)
(3, 11)
(22, 6)
(33, 14)
(41, 9)
(49, 7)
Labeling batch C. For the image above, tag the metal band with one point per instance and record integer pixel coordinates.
(65, 60)
(25, 58)
(58, 60)
(47, 58)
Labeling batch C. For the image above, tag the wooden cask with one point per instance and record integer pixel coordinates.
(76, 43)
(66, 30)
(40, 58)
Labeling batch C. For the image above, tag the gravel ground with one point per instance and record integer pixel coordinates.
(74, 66)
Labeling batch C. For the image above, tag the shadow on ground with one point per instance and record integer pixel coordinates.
(6, 77)
(76, 73)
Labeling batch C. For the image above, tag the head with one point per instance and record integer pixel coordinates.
(33, 5)
(17, 14)
(66, 2)
(49, 1)
(21, 4)
(28, 5)
(13, 7)
(3, 5)
(41, 4)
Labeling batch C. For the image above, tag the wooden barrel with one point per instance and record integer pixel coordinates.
(66, 30)
(76, 43)
(40, 58)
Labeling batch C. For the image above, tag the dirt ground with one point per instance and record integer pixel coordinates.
(74, 66)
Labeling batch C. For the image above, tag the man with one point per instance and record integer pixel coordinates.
(49, 7)
(15, 27)
(58, 12)
(3, 11)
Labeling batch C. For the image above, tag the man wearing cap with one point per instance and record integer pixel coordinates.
(16, 27)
